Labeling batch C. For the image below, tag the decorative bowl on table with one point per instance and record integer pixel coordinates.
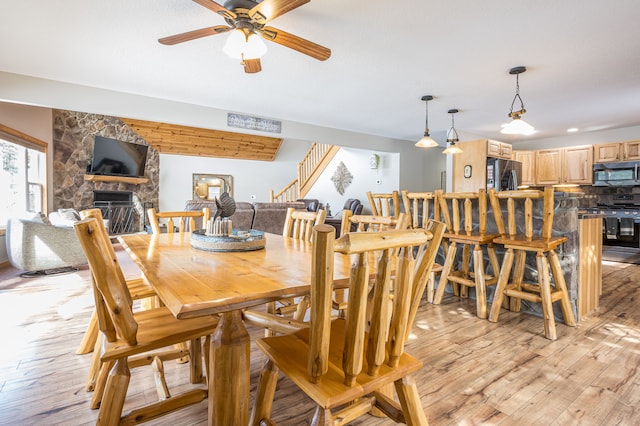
(237, 241)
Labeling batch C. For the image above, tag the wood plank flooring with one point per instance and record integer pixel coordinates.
(475, 372)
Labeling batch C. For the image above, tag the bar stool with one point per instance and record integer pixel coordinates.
(387, 204)
(518, 244)
(420, 206)
(451, 204)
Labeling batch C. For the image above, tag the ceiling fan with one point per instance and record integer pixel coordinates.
(249, 18)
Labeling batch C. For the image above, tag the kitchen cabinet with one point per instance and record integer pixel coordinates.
(528, 160)
(577, 165)
(616, 151)
(497, 149)
(549, 166)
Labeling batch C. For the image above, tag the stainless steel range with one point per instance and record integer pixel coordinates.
(621, 224)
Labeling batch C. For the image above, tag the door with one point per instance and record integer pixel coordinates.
(631, 150)
(549, 166)
(578, 165)
(528, 160)
(606, 152)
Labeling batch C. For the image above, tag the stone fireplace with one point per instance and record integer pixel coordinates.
(73, 137)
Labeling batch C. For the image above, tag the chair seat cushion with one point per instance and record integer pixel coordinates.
(289, 352)
(158, 328)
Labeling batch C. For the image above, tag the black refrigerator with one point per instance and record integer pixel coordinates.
(503, 175)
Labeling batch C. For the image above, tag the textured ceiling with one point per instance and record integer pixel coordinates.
(582, 59)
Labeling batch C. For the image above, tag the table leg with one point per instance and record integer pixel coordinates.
(230, 363)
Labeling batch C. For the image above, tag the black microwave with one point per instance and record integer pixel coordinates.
(623, 173)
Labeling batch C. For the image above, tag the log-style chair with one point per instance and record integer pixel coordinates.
(368, 222)
(421, 206)
(458, 211)
(183, 220)
(537, 238)
(139, 289)
(134, 339)
(384, 204)
(345, 364)
(299, 225)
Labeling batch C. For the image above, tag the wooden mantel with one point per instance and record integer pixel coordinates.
(183, 140)
(123, 179)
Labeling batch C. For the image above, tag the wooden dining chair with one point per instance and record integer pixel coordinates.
(524, 234)
(384, 204)
(139, 289)
(367, 222)
(420, 206)
(343, 365)
(299, 225)
(459, 210)
(134, 339)
(180, 221)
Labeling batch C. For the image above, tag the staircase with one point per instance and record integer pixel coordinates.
(309, 170)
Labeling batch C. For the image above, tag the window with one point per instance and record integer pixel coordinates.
(22, 179)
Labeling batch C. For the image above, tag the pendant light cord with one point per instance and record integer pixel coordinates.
(517, 96)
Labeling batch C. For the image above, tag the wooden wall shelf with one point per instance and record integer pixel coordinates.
(124, 179)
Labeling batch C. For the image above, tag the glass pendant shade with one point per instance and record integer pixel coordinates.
(426, 142)
(517, 126)
(240, 45)
(452, 136)
(452, 149)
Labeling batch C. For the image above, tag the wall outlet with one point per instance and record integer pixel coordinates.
(378, 181)
(253, 197)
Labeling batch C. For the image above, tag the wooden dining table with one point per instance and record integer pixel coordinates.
(193, 282)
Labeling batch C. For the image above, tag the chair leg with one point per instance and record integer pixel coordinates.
(503, 280)
(545, 294)
(94, 368)
(322, 417)
(271, 309)
(493, 260)
(558, 279)
(481, 287)
(301, 309)
(195, 358)
(161, 382)
(90, 336)
(410, 402)
(115, 394)
(430, 287)
(458, 289)
(446, 270)
(518, 277)
(101, 383)
(264, 393)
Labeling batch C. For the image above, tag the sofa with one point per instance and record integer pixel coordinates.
(261, 216)
(37, 246)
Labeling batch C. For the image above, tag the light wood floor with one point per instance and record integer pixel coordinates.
(475, 372)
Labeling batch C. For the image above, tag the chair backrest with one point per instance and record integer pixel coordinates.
(523, 213)
(384, 332)
(113, 308)
(457, 211)
(184, 220)
(421, 206)
(368, 223)
(384, 204)
(299, 224)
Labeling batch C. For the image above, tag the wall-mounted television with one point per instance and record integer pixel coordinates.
(118, 158)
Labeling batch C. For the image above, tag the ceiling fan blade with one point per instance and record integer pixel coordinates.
(215, 7)
(270, 9)
(192, 35)
(294, 42)
(252, 66)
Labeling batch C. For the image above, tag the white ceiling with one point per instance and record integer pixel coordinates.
(582, 56)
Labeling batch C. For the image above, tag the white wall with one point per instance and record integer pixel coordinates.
(249, 177)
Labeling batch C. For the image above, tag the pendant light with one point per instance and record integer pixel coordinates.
(426, 141)
(517, 126)
(452, 136)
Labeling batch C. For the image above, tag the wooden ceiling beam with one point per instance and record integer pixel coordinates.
(184, 140)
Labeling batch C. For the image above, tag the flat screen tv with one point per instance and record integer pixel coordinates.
(118, 158)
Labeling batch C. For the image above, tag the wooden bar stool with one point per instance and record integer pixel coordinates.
(518, 244)
(460, 230)
(421, 206)
(384, 204)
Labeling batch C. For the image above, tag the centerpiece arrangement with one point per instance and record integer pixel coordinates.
(218, 233)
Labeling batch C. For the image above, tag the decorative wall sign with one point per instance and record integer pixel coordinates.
(341, 178)
(254, 123)
(467, 171)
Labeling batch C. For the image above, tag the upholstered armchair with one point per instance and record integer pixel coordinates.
(40, 247)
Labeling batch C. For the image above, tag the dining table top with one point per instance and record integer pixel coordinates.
(193, 282)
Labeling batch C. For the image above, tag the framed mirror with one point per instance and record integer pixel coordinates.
(208, 187)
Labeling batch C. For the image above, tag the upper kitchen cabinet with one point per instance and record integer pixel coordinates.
(497, 149)
(549, 166)
(616, 151)
(528, 160)
(577, 165)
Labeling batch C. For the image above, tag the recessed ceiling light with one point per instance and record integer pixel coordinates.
(573, 129)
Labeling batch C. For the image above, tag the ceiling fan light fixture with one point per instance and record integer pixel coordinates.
(517, 126)
(426, 141)
(243, 44)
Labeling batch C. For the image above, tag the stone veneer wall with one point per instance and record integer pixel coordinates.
(73, 137)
